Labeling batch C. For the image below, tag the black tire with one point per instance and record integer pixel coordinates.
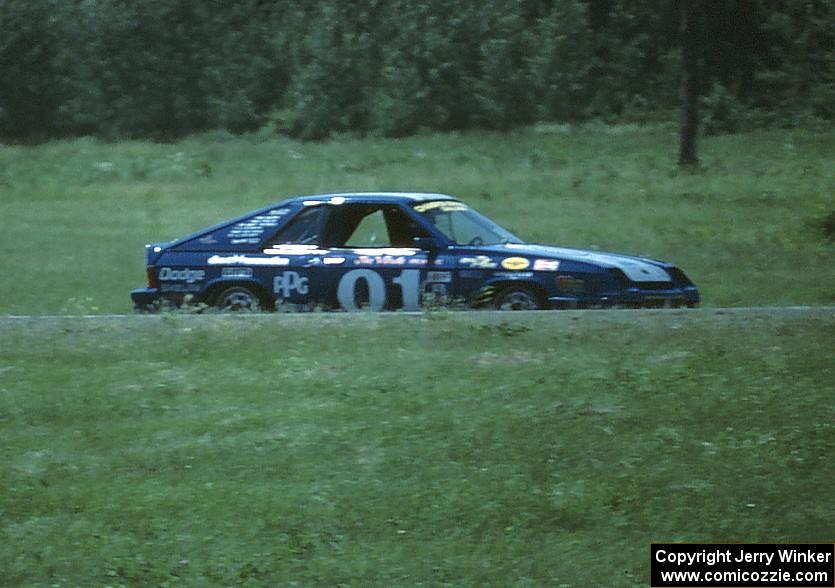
(237, 299)
(517, 297)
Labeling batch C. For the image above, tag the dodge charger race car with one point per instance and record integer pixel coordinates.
(393, 251)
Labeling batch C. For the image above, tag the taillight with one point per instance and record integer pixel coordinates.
(153, 282)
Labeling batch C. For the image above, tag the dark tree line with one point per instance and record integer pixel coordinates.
(162, 69)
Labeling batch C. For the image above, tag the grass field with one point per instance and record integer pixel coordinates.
(748, 227)
(441, 448)
(459, 449)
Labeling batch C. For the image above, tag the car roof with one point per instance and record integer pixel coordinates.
(371, 197)
(393, 197)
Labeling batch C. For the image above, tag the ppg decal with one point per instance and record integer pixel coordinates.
(288, 282)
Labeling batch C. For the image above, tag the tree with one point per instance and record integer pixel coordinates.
(690, 15)
(29, 93)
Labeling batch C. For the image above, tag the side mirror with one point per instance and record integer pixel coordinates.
(426, 243)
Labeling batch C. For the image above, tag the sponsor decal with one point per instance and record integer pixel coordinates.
(442, 205)
(252, 230)
(419, 261)
(380, 260)
(398, 251)
(513, 274)
(479, 261)
(187, 275)
(471, 274)
(440, 277)
(289, 282)
(208, 240)
(333, 260)
(515, 263)
(546, 265)
(236, 272)
(246, 260)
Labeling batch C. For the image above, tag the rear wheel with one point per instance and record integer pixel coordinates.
(517, 298)
(237, 299)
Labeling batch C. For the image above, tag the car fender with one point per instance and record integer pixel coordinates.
(534, 280)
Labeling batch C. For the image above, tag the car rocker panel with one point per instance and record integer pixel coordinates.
(391, 251)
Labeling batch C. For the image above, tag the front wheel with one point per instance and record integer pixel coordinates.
(237, 299)
(517, 298)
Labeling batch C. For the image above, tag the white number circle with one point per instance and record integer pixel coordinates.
(346, 290)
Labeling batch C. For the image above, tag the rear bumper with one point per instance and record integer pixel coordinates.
(145, 298)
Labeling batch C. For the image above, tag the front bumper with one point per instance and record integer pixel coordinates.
(631, 298)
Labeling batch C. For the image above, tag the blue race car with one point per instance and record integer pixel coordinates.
(392, 251)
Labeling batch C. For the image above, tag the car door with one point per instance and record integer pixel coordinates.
(375, 264)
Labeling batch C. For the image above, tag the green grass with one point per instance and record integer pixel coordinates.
(437, 449)
(747, 227)
(459, 449)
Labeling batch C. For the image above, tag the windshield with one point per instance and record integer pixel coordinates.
(463, 225)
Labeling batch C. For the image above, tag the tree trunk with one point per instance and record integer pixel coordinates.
(690, 88)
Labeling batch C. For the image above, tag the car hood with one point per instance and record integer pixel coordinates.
(637, 269)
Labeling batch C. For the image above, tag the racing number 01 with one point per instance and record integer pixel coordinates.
(408, 280)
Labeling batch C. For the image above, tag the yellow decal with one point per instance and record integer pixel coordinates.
(515, 263)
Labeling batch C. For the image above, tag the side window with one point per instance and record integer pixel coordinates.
(245, 235)
(463, 229)
(304, 229)
(371, 225)
(370, 232)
